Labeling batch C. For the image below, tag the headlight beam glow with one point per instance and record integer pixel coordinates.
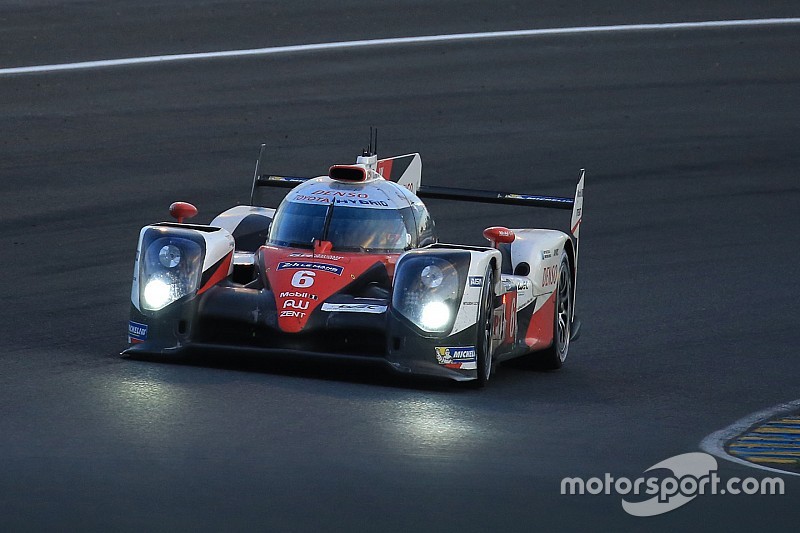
(435, 316)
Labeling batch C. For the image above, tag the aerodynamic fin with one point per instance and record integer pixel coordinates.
(406, 170)
(575, 228)
(577, 208)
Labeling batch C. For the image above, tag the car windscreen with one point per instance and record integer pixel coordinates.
(348, 228)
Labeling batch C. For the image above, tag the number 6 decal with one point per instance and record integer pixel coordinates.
(303, 278)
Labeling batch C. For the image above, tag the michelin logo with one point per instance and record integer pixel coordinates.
(447, 355)
(137, 331)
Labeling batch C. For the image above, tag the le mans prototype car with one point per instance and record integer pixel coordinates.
(349, 265)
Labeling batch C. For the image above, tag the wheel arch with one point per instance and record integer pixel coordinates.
(569, 248)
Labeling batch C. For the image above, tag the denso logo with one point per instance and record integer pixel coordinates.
(344, 194)
(549, 275)
(298, 295)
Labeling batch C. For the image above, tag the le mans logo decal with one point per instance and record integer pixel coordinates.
(447, 355)
(311, 265)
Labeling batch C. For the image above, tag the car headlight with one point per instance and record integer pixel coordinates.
(157, 293)
(170, 269)
(434, 316)
(169, 256)
(431, 276)
(427, 291)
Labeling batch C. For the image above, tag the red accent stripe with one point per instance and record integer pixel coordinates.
(540, 329)
(385, 168)
(220, 274)
(578, 223)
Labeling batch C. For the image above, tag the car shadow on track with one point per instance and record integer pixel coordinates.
(367, 372)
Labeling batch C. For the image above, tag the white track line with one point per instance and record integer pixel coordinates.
(85, 65)
(715, 443)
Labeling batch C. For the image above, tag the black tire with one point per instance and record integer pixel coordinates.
(554, 357)
(483, 339)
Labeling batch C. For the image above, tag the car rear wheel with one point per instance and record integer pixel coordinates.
(554, 357)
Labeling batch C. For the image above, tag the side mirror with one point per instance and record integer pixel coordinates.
(181, 210)
(499, 235)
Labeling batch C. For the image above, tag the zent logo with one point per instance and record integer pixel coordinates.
(303, 278)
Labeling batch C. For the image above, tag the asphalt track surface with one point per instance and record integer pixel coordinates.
(687, 279)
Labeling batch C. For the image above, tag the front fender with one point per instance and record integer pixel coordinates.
(203, 259)
(448, 351)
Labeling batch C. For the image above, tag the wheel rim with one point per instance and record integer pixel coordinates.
(487, 337)
(563, 312)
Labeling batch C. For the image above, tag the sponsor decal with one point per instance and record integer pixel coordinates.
(298, 295)
(354, 308)
(296, 304)
(555, 252)
(310, 265)
(311, 199)
(549, 275)
(358, 202)
(448, 355)
(523, 285)
(137, 331)
(476, 281)
(294, 314)
(546, 254)
(317, 256)
(343, 194)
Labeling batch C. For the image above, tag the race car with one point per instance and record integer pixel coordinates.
(350, 266)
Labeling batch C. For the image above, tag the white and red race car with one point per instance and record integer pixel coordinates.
(350, 266)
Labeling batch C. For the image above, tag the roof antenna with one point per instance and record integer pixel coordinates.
(373, 143)
(368, 151)
(369, 156)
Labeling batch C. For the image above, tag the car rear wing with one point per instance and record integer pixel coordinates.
(574, 204)
(405, 170)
